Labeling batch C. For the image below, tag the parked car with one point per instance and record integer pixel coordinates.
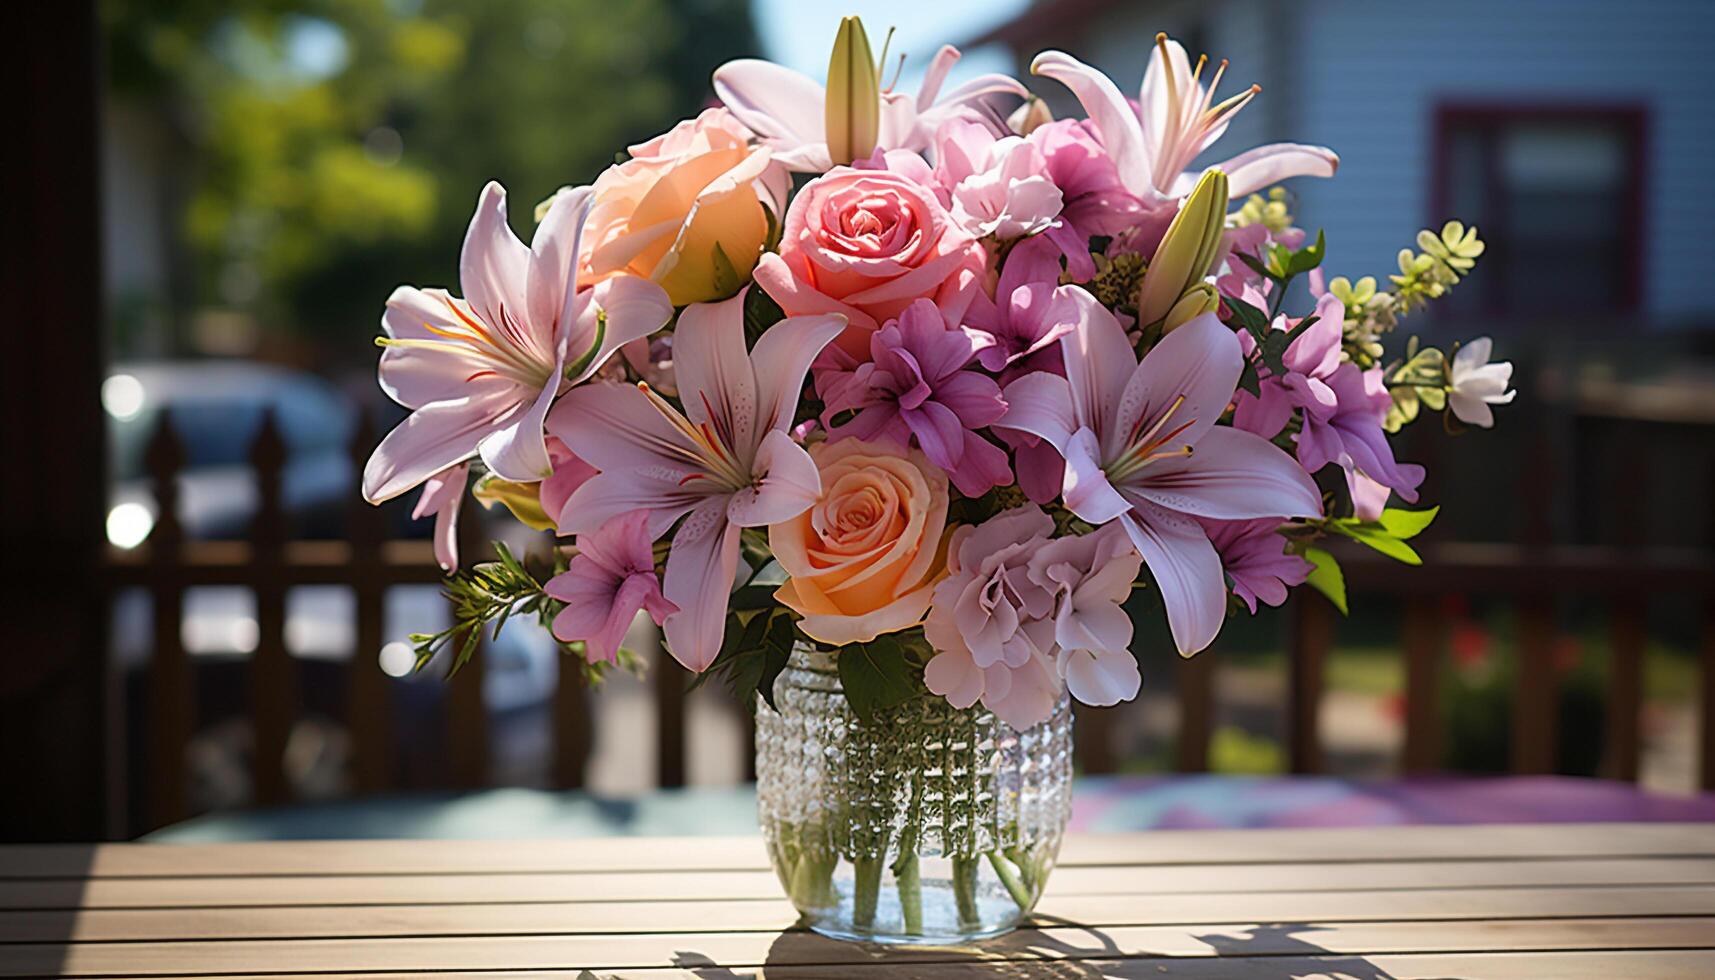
(216, 408)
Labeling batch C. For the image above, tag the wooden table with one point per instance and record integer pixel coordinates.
(1569, 901)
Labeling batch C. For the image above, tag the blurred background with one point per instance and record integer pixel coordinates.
(234, 621)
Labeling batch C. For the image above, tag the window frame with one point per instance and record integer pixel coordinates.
(1492, 117)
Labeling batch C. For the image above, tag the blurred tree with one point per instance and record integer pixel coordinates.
(334, 148)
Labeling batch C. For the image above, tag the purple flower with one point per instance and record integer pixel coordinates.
(1255, 558)
(612, 577)
(1341, 407)
(916, 387)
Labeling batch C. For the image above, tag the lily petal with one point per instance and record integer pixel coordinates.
(772, 101)
(1265, 166)
(701, 568)
(493, 264)
(1041, 404)
(1185, 568)
(1120, 132)
(430, 439)
(788, 486)
(1231, 475)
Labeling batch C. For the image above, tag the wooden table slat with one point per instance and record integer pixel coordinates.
(776, 915)
(1564, 901)
(738, 853)
(610, 886)
(746, 949)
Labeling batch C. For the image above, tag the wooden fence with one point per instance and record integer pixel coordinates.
(1531, 577)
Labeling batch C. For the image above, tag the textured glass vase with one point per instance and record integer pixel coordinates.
(933, 825)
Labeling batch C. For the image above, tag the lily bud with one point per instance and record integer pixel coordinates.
(522, 499)
(1187, 250)
(1029, 117)
(1196, 301)
(852, 109)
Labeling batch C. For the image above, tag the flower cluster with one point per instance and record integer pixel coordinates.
(945, 407)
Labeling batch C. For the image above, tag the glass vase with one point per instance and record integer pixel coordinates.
(931, 824)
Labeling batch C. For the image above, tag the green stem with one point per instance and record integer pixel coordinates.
(907, 875)
(1026, 866)
(1008, 876)
(965, 889)
(866, 890)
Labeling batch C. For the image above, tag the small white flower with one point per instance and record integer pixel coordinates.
(1475, 384)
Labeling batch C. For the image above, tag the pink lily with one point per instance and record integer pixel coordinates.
(1154, 140)
(785, 108)
(480, 372)
(725, 463)
(1142, 447)
(442, 496)
(609, 580)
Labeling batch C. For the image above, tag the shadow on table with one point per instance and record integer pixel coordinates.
(50, 890)
(1060, 950)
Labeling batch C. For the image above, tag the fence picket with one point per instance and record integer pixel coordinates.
(1312, 635)
(171, 713)
(369, 694)
(273, 675)
(1196, 711)
(1422, 642)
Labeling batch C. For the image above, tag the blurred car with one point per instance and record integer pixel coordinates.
(216, 408)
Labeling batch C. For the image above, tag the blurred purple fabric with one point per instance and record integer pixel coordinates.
(1212, 802)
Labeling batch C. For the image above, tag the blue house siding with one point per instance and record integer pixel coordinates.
(1366, 77)
(1373, 74)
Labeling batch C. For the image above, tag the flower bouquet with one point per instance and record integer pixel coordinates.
(884, 404)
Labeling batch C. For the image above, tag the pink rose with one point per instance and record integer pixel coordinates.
(866, 243)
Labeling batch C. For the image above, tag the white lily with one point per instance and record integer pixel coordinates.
(1153, 141)
(788, 110)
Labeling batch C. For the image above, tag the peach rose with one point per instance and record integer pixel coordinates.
(661, 214)
(866, 243)
(865, 559)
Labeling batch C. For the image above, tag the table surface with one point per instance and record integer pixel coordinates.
(1509, 901)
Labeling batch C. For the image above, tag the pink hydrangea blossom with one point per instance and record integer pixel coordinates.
(1022, 616)
(992, 624)
(608, 581)
(1091, 576)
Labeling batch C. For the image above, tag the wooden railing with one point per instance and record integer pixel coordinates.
(1533, 579)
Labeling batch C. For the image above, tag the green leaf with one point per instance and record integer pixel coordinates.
(1248, 316)
(726, 274)
(777, 645)
(1385, 543)
(1326, 577)
(878, 675)
(1308, 257)
(1405, 524)
(760, 313)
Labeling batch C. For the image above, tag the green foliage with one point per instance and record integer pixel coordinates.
(1389, 533)
(1419, 381)
(883, 673)
(324, 147)
(488, 594)
(1326, 577)
(760, 313)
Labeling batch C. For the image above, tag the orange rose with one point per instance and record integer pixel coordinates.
(661, 214)
(865, 559)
